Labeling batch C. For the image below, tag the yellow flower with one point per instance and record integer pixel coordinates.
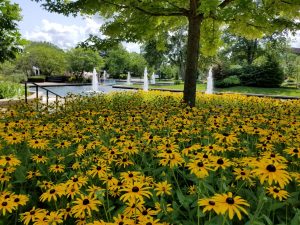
(52, 193)
(9, 160)
(272, 172)
(231, 205)
(84, 206)
(135, 191)
(209, 204)
(163, 188)
(276, 192)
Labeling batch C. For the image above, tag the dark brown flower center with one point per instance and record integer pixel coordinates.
(271, 168)
(169, 151)
(220, 161)
(130, 175)
(85, 201)
(200, 164)
(99, 167)
(295, 150)
(4, 203)
(230, 201)
(7, 158)
(243, 173)
(276, 190)
(211, 203)
(135, 189)
(75, 179)
(52, 191)
(273, 155)
(16, 200)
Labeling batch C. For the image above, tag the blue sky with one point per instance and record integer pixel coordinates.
(40, 25)
(66, 32)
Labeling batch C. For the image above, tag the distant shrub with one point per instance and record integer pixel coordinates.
(36, 79)
(228, 82)
(9, 89)
(269, 74)
(176, 82)
(16, 77)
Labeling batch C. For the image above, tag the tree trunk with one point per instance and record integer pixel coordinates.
(189, 93)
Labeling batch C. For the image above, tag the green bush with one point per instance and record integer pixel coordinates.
(9, 89)
(16, 77)
(36, 79)
(269, 74)
(228, 82)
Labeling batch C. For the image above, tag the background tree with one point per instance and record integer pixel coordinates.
(154, 54)
(50, 59)
(137, 64)
(10, 38)
(81, 60)
(117, 61)
(135, 20)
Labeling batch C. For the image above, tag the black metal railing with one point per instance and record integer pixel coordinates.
(57, 96)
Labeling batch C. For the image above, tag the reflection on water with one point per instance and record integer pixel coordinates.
(79, 90)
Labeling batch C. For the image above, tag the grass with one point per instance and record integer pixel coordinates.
(238, 89)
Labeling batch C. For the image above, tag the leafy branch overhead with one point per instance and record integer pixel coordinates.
(144, 20)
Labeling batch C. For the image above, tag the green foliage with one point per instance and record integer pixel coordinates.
(228, 82)
(81, 60)
(10, 89)
(168, 71)
(10, 38)
(46, 56)
(268, 74)
(137, 64)
(36, 79)
(117, 61)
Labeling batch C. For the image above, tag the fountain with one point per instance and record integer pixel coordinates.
(128, 79)
(146, 83)
(104, 75)
(153, 78)
(95, 83)
(210, 85)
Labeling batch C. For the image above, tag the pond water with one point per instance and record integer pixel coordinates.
(76, 89)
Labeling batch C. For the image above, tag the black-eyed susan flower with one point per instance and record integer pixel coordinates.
(32, 215)
(272, 173)
(57, 168)
(39, 158)
(9, 160)
(209, 205)
(135, 191)
(7, 205)
(163, 188)
(84, 205)
(276, 192)
(242, 174)
(229, 204)
(199, 168)
(52, 193)
(293, 151)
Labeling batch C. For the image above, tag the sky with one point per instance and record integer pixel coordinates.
(65, 32)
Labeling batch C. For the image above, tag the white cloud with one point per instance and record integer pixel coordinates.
(64, 36)
(296, 40)
(68, 36)
(132, 47)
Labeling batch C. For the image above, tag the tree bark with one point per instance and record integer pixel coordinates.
(191, 71)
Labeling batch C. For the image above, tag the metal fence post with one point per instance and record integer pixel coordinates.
(26, 92)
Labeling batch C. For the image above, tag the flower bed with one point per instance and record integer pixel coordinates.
(145, 158)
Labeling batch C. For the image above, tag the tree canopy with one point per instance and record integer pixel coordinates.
(47, 57)
(138, 20)
(10, 38)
